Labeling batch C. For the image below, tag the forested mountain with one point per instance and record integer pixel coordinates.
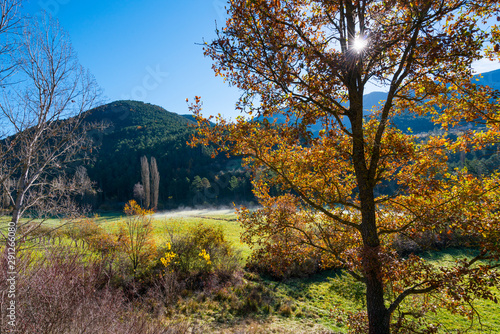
(188, 176)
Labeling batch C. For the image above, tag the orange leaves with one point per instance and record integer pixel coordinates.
(133, 209)
(461, 204)
(284, 235)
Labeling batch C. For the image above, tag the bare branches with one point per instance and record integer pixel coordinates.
(9, 27)
(44, 111)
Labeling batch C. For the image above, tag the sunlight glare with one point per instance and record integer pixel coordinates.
(359, 44)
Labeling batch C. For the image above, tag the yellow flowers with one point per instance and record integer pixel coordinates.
(169, 256)
(204, 255)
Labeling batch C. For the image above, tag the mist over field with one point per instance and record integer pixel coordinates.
(204, 211)
(192, 212)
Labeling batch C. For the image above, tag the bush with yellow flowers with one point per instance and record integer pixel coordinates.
(202, 251)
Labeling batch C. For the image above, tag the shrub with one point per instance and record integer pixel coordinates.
(279, 249)
(36, 231)
(271, 260)
(82, 231)
(285, 310)
(59, 290)
(434, 240)
(104, 243)
(202, 257)
(136, 235)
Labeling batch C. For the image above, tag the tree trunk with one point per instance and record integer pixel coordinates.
(378, 314)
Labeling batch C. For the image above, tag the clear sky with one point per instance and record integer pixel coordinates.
(146, 50)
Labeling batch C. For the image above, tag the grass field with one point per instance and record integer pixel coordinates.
(313, 298)
(313, 305)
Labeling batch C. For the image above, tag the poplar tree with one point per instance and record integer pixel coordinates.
(146, 182)
(155, 184)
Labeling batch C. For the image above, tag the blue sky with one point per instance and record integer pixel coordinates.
(146, 50)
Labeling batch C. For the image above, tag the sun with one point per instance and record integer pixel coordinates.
(359, 44)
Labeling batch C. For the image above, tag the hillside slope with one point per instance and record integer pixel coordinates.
(137, 129)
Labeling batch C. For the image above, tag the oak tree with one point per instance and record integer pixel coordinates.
(309, 62)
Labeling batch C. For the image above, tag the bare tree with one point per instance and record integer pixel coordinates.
(44, 111)
(9, 28)
(139, 192)
(146, 181)
(155, 184)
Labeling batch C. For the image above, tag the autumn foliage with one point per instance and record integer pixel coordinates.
(323, 192)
